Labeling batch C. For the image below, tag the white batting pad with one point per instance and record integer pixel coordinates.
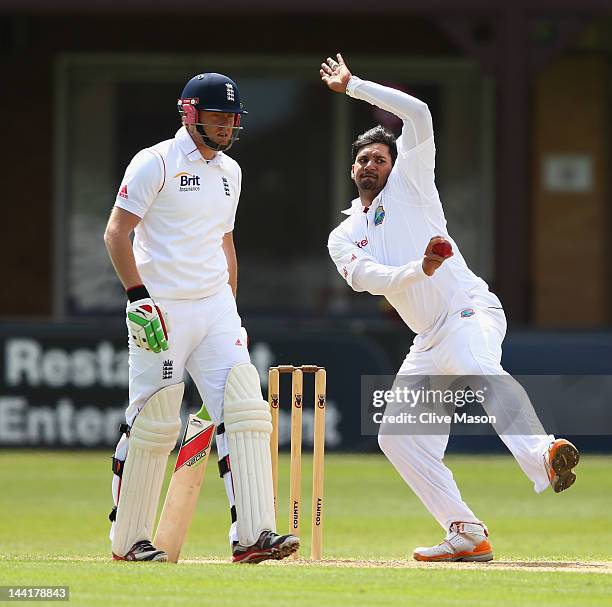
(248, 426)
(152, 437)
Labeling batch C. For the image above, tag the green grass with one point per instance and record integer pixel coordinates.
(54, 508)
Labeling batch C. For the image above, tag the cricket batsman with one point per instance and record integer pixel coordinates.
(179, 198)
(394, 242)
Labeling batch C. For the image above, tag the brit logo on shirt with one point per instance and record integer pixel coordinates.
(379, 215)
(188, 182)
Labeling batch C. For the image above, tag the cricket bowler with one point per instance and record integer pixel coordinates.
(179, 198)
(394, 242)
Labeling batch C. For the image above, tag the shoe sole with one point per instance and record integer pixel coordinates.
(565, 458)
(156, 558)
(276, 554)
(481, 558)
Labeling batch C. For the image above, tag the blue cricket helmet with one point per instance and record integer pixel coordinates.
(211, 92)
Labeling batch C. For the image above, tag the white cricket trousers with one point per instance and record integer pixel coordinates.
(463, 346)
(206, 340)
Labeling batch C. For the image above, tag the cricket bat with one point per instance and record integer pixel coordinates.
(184, 488)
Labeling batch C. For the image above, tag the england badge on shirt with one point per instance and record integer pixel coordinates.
(379, 215)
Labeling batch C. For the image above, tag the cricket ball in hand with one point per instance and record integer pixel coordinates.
(443, 249)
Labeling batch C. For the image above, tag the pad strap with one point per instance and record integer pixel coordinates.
(118, 466)
(224, 466)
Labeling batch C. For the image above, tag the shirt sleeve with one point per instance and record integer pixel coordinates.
(142, 182)
(416, 150)
(363, 273)
(414, 113)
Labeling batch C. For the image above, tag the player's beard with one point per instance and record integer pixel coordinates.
(213, 141)
(369, 185)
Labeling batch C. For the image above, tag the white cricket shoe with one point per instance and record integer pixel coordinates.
(143, 551)
(464, 542)
(270, 545)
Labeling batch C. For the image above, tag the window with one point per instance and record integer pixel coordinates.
(295, 156)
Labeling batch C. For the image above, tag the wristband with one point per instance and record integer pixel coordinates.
(137, 292)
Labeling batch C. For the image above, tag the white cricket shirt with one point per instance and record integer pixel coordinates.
(186, 205)
(381, 250)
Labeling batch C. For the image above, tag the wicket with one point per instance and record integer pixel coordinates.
(295, 493)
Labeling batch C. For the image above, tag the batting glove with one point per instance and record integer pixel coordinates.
(146, 321)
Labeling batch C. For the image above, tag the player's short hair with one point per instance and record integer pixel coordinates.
(378, 134)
